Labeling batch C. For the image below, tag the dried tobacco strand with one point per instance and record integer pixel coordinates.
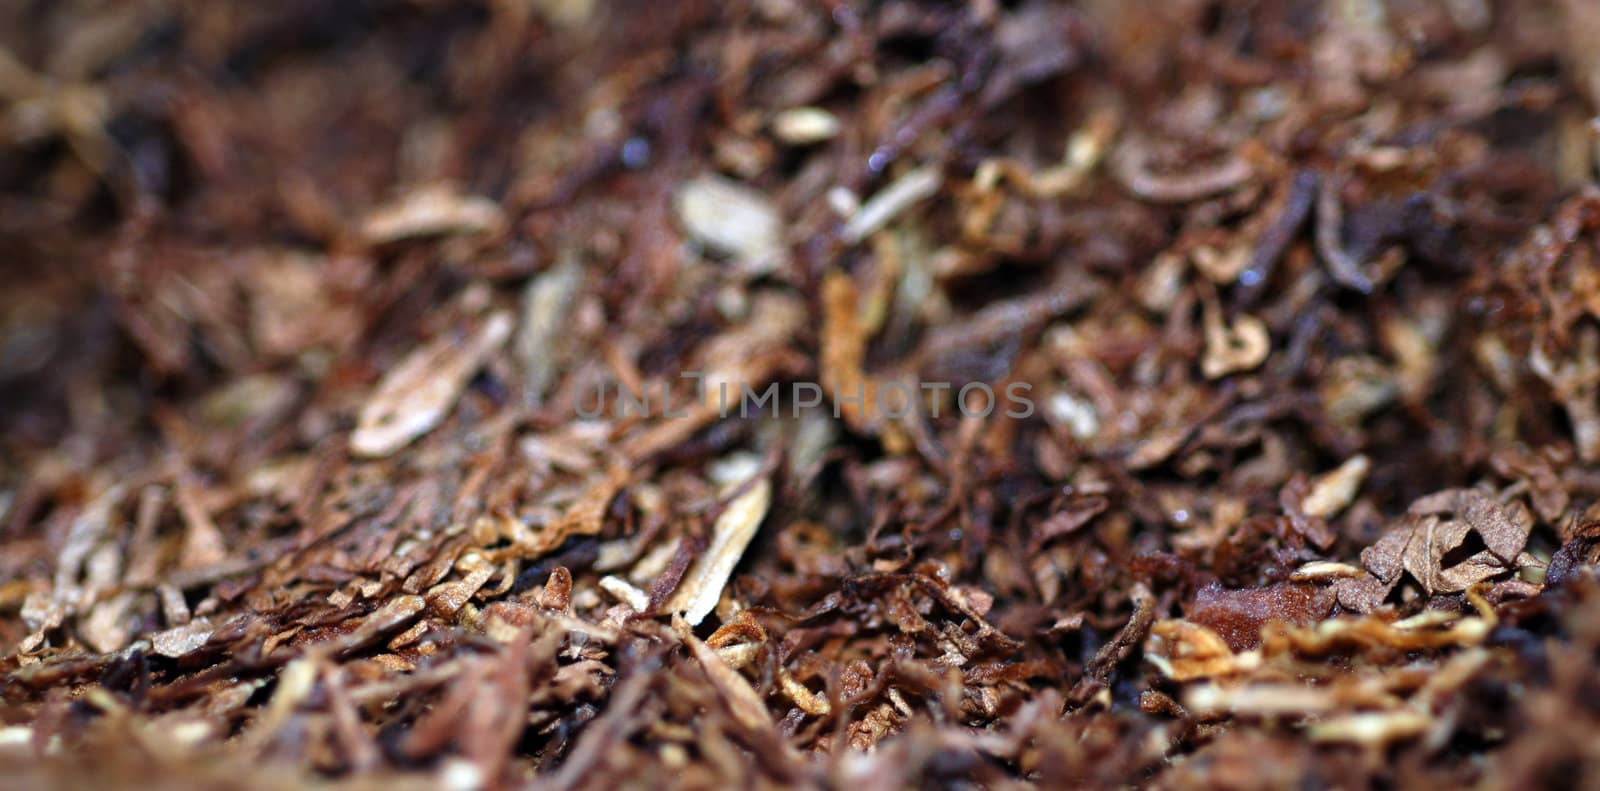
(303, 481)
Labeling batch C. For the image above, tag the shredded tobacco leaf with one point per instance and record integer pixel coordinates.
(774, 394)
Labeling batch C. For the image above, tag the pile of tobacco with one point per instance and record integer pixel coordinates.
(799, 393)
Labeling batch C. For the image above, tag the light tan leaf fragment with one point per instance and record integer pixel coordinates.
(879, 210)
(1424, 633)
(106, 627)
(1265, 700)
(42, 612)
(1231, 349)
(1325, 570)
(1373, 728)
(803, 126)
(546, 303)
(702, 585)
(1332, 491)
(732, 219)
(432, 211)
(1222, 266)
(625, 592)
(181, 640)
(87, 529)
(810, 702)
(416, 395)
(739, 656)
(1184, 651)
(173, 604)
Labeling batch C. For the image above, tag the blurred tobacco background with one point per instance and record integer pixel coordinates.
(298, 301)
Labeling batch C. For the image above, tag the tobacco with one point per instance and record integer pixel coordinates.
(307, 306)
